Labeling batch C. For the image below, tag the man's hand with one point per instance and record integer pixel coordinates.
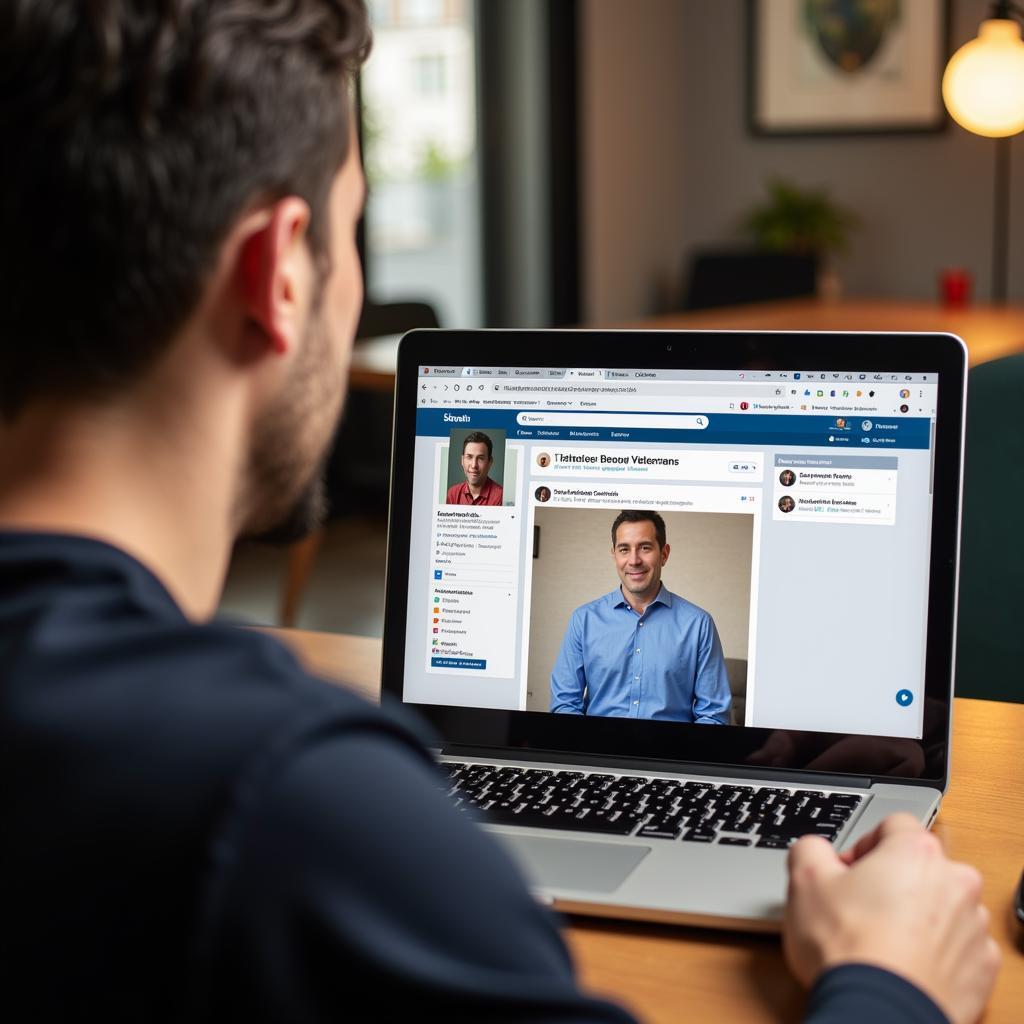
(896, 901)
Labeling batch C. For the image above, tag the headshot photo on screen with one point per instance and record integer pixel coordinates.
(477, 467)
(787, 478)
(656, 627)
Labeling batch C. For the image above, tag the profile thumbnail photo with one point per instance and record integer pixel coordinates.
(479, 470)
(650, 621)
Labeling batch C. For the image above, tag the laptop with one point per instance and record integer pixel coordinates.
(673, 599)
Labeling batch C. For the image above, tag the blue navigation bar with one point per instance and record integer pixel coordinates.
(850, 431)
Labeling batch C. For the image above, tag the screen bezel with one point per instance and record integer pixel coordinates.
(533, 734)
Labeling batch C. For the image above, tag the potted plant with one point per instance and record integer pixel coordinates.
(805, 221)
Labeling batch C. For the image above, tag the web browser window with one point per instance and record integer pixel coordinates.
(726, 548)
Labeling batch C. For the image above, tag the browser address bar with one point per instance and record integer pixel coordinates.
(665, 421)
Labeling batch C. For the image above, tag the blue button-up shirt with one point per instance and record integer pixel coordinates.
(665, 664)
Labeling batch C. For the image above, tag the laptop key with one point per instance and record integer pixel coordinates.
(660, 832)
(524, 818)
(633, 782)
(827, 829)
(700, 835)
(850, 800)
(840, 818)
(770, 843)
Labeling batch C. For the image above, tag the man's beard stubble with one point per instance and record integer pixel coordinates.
(287, 493)
(307, 514)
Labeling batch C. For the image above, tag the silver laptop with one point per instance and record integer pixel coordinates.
(672, 599)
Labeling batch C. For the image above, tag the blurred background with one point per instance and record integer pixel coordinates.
(539, 163)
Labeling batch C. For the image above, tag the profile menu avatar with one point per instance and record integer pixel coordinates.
(478, 488)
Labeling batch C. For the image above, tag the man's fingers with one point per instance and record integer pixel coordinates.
(897, 823)
(894, 825)
(813, 858)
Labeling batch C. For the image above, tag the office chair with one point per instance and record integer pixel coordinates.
(731, 277)
(990, 627)
(380, 319)
(359, 462)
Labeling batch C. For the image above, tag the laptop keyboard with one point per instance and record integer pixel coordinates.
(632, 805)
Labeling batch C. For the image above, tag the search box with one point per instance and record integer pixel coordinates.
(654, 421)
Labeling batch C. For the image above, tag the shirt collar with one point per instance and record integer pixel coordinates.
(484, 491)
(617, 600)
(79, 559)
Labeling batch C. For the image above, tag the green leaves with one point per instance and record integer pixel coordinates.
(799, 220)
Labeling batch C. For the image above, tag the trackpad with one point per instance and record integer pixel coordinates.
(573, 863)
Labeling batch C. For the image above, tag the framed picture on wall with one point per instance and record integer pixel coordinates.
(826, 67)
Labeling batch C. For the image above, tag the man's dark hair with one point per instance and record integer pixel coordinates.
(478, 437)
(635, 515)
(135, 134)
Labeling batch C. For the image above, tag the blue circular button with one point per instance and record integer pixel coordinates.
(904, 698)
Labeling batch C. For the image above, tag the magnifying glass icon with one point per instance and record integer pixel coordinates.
(700, 421)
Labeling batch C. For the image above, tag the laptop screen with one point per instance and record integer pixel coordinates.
(710, 547)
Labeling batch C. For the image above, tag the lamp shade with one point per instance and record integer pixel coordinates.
(983, 87)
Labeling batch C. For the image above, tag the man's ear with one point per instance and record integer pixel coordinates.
(276, 273)
(664, 553)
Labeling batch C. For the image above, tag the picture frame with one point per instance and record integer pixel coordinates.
(826, 67)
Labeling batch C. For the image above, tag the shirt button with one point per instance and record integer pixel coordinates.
(641, 625)
(637, 678)
(636, 702)
(638, 650)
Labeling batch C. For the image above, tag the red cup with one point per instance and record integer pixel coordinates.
(955, 287)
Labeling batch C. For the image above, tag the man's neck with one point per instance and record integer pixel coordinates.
(479, 489)
(144, 482)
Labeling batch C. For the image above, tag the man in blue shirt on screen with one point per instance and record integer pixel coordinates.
(641, 651)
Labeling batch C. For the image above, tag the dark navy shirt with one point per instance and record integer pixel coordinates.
(195, 829)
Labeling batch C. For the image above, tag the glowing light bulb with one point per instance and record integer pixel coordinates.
(983, 87)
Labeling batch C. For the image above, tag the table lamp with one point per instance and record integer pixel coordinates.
(983, 89)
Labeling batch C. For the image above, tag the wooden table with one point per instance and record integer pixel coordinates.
(990, 332)
(667, 973)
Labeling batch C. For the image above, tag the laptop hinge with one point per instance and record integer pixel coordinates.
(641, 764)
